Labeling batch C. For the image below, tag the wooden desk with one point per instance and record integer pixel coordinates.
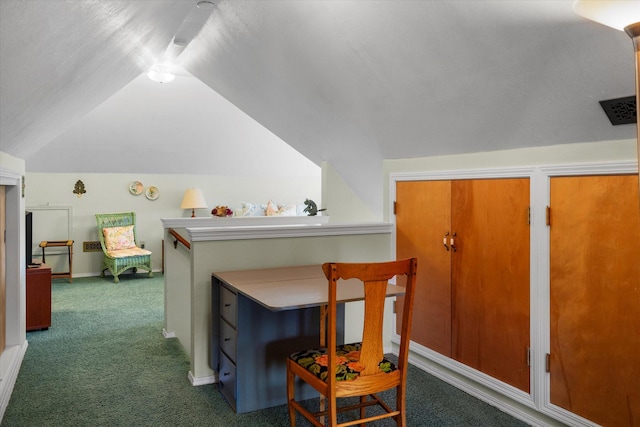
(289, 288)
(261, 316)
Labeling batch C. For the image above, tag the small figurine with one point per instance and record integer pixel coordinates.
(312, 208)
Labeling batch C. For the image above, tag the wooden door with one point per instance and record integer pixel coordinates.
(595, 298)
(490, 277)
(423, 217)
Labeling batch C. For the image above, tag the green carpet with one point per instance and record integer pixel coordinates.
(104, 362)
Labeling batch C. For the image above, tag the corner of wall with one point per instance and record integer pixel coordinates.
(342, 204)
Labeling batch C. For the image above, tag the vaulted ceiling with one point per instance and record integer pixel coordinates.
(347, 82)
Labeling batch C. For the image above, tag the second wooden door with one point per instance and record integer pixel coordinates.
(595, 298)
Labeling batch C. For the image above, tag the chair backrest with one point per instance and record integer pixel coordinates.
(121, 219)
(374, 277)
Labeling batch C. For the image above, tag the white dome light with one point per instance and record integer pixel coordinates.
(161, 74)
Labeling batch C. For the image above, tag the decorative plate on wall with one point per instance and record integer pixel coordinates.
(136, 188)
(152, 193)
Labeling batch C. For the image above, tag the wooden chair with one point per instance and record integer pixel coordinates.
(119, 241)
(360, 369)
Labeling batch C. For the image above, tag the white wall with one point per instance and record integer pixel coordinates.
(11, 172)
(537, 156)
(172, 136)
(342, 204)
(107, 193)
(182, 127)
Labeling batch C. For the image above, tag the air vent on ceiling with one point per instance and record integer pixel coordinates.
(621, 111)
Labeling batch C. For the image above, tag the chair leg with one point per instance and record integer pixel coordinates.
(322, 406)
(150, 273)
(116, 279)
(333, 411)
(363, 399)
(291, 395)
(401, 420)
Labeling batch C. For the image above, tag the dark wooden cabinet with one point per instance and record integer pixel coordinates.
(38, 297)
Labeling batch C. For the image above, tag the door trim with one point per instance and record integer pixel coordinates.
(546, 173)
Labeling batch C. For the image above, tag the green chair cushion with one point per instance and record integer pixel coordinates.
(348, 366)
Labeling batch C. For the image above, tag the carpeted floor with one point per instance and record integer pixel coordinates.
(104, 362)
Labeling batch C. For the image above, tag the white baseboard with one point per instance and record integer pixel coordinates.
(201, 380)
(108, 274)
(511, 405)
(11, 360)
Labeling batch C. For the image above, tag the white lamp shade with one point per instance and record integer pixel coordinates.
(193, 199)
(617, 14)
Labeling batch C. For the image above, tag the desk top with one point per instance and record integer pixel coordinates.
(38, 266)
(289, 288)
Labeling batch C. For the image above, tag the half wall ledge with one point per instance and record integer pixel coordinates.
(223, 244)
(244, 221)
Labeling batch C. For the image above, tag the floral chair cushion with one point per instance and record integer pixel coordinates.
(129, 252)
(117, 238)
(348, 362)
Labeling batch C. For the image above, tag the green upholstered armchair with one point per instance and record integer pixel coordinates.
(119, 241)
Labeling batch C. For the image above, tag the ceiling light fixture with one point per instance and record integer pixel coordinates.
(623, 15)
(161, 74)
(190, 27)
(205, 5)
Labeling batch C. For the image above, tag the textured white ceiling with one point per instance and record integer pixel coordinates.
(349, 82)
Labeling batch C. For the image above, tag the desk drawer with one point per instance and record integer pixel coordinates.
(228, 340)
(227, 380)
(228, 306)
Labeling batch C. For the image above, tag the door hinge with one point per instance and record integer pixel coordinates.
(395, 207)
(394, 307)
(529, 216)
(548, 216)
(547, 365)
(528, 356)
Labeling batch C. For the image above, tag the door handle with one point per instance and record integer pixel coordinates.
(452, 242)
(444, 241)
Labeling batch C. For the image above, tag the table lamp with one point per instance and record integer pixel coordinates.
(623, 15)
(193, 199)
